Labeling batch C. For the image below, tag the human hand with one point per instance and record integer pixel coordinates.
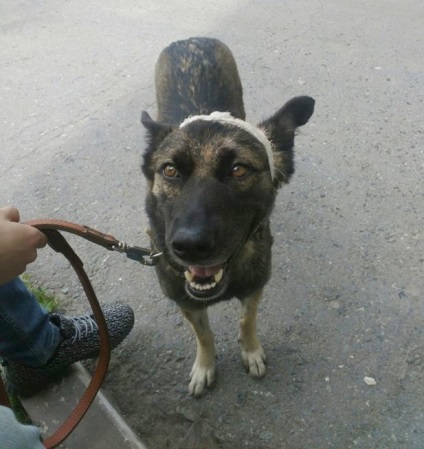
(18, 244)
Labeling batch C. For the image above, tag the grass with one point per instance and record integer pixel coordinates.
(20, 413)
(50, 303)
(47, 300)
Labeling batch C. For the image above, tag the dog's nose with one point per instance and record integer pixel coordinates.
(192, 244)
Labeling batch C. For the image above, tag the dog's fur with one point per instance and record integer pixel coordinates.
(210, 193)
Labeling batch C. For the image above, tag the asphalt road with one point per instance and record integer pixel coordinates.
(346, 298)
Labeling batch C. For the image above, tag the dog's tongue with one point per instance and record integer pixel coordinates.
(204, 272)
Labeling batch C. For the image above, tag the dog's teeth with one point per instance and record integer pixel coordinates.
(203, 287)
(200, 287)
(218, 276)
(189, 276)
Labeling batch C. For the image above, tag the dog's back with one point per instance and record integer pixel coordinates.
(197, 76)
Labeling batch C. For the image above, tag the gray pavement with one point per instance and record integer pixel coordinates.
(345, 301)
(102, 425)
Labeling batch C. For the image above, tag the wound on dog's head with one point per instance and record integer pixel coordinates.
(227, 118)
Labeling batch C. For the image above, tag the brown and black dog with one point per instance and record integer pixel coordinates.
(212, 180)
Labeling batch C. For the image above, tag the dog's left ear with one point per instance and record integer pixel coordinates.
(157, 131)
(280, 129)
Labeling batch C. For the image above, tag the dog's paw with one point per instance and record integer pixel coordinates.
(254, 361)
(202, 376)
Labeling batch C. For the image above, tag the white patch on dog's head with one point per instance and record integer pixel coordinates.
(226, 117)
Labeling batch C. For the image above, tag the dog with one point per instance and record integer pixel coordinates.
(212, 182)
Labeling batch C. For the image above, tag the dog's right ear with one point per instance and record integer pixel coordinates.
(156, 134)
(156, 131)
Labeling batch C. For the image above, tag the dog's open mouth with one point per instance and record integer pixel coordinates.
(204, 282)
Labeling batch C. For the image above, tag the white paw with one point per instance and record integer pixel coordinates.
(202, 376)
(254, 361)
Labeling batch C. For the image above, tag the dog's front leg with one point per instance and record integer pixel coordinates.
(251, 350)
(203, 371)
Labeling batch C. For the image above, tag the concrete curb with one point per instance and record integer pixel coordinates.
(102, 427)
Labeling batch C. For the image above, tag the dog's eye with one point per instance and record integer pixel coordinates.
(170, 171)
(239, 171)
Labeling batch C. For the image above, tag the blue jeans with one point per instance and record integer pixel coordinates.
(14, 435)
(26, 333)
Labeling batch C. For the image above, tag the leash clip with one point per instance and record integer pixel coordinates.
(143, 255)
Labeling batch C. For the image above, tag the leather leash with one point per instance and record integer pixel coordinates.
(56, 241)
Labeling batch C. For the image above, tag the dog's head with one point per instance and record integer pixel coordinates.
(211, 184)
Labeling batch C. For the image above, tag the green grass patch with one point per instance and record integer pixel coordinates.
(17, 407)
(47, 300)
